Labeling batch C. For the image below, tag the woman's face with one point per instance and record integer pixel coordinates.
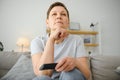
(58, 18)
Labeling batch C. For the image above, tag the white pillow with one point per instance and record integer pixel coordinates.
(117, 70)
(103, 67)
(22, 70)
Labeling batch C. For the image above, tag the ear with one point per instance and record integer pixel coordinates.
(47, 25)
(47, 22)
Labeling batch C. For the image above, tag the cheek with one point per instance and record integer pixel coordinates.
(67, 22)
(50, 23)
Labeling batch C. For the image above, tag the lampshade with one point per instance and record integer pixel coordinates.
(23, 43)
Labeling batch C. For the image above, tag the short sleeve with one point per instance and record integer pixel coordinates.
(36, 46)
(81, 52)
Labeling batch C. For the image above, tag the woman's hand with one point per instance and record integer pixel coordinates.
(66, 64)
(59, 33)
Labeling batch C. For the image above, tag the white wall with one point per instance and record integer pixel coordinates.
(26, 18)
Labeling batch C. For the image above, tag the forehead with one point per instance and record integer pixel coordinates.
(58, 9)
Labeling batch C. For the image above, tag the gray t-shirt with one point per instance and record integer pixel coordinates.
(71, 46)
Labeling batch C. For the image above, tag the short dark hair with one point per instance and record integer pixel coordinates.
(54, 5)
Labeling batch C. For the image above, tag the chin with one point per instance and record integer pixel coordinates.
(62, 26)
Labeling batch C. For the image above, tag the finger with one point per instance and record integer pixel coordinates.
(60, 63)
(59, 35)
(65, 34)
(62, 68)
(65, 65)
(69, 67)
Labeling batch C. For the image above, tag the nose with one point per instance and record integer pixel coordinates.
(58, 16)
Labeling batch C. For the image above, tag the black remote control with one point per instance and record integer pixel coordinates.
(48, 66)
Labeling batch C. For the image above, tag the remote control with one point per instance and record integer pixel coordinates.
(48, 66)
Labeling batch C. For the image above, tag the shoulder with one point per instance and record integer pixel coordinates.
(38, 44)
(75, 37)
(39, 39)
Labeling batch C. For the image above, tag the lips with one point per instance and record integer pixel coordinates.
(59, 22)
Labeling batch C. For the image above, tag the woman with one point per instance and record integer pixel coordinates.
(59, 47)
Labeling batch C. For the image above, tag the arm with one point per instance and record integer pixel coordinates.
(69, 63)
(46, 57)
(48, 54)
(82, 65)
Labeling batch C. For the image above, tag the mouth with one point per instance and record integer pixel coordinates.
(59, 22)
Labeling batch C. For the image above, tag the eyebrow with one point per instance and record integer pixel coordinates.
(56, 11)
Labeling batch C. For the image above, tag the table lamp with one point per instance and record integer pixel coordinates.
(23, 43)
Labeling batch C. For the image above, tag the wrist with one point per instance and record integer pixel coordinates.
(51, 39)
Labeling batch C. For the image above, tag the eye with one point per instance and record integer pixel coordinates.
(63, 14)
(54, 14)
